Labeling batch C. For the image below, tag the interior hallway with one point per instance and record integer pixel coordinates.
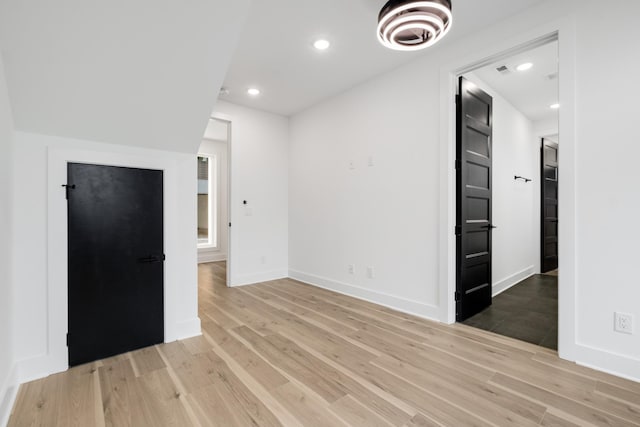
(285, 353)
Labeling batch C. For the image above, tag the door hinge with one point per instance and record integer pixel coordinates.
(458, 230)
(67, 188)
(458, 296)
(229, 224)
(458, 164)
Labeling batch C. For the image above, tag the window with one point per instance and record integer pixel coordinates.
(207, 230)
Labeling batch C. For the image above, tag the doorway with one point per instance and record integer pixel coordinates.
(213, 169)
(504, 108)
(115, 260)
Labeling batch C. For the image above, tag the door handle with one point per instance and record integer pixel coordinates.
(490, 226)
(152, 259)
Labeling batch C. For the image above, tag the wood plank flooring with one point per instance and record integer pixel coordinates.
(285, 353)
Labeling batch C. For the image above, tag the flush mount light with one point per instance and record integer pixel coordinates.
(554, 106)
(253, 91)
(321, 44)
(413, 25)
(524, 67)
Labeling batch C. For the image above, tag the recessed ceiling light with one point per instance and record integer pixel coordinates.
(554, 106)
(321, 44)
(253, 91)
(524, 67)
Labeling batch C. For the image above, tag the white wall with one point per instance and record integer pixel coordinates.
(515, 206)
(7, 359)
(219, 150)
(387, 215)
(259, 175)
(39, 249)
(607, 173)
(382, 216)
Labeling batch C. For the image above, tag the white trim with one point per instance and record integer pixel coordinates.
(187, 329)
(214, 255)
(213, 191)
(508, 282)
(251, 279)
(56, 358)
(565, 30)
(609, 362)
(229, 120)
(414, 308)
(8, 394)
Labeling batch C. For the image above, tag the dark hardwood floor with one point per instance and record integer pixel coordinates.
(528, 311)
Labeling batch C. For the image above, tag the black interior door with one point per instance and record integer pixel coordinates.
(473, 201)
(549, 203)
(116, 271)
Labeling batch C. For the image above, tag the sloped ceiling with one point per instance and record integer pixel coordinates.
(141, 73)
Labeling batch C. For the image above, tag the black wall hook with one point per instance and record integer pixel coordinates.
(517, 177)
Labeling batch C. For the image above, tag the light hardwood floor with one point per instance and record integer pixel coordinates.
(284, 353)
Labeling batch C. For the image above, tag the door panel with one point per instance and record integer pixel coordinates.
(549, 203)
(473, 207)
(116, 270)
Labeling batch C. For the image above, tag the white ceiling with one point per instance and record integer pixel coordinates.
(142, 73)
(532, 91)
(275, 51)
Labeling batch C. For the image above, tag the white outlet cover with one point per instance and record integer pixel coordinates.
(623, 322)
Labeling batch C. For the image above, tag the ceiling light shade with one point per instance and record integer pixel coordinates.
(413, 25)
(554, 106)
(253, 91)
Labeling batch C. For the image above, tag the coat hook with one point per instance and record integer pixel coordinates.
(517, 177)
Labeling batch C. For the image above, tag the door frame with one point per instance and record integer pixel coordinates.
(227, 119)
(56, 358)
(563, 31)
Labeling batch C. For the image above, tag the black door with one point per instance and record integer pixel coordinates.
(473, 201)
(549, 203)
(116, 271)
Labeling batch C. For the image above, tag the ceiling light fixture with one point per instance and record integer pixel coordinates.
(524, 67)
(253, 91)
(554, 106)
(321, 44)
(413, 25)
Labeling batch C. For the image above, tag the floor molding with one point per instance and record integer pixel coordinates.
(425, 311)
(205, 256)
(609, 362)
(9, 392)
(252, 279)
(512, 280)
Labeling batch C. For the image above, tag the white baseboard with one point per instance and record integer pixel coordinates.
(512, 280)
(609, 362)
(425, 311)
(183, 330)
(8, 394)
(40, 367)
(211, 256)
(250, 279)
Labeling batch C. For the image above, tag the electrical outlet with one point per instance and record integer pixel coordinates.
(371, 272)
(352, 269)
(623, 322)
